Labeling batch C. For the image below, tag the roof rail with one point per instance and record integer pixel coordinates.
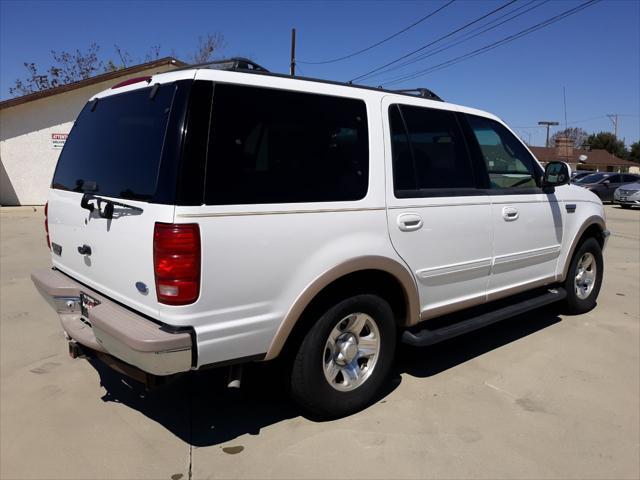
(421, 92)
(245, 65)
(235, 63)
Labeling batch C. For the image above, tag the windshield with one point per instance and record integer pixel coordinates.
(115, 145)
(593, 178)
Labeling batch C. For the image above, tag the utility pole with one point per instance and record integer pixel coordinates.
(547, 124)
(614, 119)
(292, 65)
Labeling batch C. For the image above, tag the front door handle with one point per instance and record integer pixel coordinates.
(510, 214)
(409, 222)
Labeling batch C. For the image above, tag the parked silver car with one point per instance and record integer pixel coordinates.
(628, 195)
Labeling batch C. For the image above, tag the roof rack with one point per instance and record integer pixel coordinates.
(235, 63)
(421, 92)
(245, 65)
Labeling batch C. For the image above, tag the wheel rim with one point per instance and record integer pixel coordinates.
(351, 352)
(585, 279)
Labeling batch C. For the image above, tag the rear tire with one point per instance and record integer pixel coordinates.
(345, 358)
(584, 277)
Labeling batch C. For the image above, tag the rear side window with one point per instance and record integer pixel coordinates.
(115, 145)
(429, 152)
(275, 146)
(508, 162)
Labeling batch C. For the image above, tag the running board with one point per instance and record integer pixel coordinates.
(426, 336)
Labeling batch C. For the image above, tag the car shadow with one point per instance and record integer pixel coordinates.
(200, 410)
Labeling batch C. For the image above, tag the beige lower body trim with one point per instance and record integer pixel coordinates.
(390, 266)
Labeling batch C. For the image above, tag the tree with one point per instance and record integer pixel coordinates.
(70, 67)
(208, 47)
(609, 142)
(577, 135)
(67, 67)
(634, 152)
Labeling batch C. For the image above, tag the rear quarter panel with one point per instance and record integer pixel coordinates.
(257, 259)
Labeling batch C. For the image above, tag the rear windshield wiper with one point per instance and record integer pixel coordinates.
(109, 205)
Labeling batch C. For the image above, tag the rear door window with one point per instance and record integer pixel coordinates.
(276, 146)
(115, 145)
(429, 153)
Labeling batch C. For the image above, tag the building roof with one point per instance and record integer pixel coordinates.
(91, 81)
(594, 157)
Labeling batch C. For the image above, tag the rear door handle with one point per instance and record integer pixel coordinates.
(409, 222)
(510, 214)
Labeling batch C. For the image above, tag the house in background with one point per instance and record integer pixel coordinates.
(33, 129)
(580, 159)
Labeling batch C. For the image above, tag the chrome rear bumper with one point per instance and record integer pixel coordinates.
(113, 329)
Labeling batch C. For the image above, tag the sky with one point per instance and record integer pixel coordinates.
(592, 57)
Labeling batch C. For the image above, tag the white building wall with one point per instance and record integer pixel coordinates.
(28, 158)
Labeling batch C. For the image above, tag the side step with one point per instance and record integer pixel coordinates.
(426, 336)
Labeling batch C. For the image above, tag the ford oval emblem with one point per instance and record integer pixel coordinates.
(142, 288)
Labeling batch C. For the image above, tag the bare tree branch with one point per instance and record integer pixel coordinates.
(208, 47)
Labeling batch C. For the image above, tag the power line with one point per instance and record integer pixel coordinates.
(465, 37)
(429, 15)
(496, 44)
(367, 74)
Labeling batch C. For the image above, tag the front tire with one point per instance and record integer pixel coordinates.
(625, 206)
(345, 358)
(584, 277)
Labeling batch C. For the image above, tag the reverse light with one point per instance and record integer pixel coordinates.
(176, 262)
(46, 224)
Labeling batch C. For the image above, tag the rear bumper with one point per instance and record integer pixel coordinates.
(113, 329)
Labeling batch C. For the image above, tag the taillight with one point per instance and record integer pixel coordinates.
(176, 261)
(46, 223)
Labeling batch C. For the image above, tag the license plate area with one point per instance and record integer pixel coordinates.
(87, 302)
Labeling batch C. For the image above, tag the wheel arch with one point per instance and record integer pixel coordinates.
(593, 226)
(387, 276)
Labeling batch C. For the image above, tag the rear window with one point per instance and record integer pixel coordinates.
(115, 145)
(276, 146)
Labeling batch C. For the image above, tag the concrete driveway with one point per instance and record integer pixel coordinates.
(538, 396)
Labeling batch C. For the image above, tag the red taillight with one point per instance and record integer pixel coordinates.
(176, 260)
(130, 81)
(46, 223)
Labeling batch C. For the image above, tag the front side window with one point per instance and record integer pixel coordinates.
(428, 151)
(508, 163)
(276, 146)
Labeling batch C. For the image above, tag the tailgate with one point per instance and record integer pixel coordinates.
(113, 159)
(121, 259)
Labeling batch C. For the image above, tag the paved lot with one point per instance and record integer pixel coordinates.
(538, 396)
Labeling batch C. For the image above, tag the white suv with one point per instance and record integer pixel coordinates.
(205, 217)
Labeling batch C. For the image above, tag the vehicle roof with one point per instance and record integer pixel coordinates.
(293, 83)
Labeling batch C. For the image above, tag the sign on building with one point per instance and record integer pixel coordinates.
(58, 139)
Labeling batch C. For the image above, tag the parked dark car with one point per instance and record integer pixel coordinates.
(577, 175)
(604, 184)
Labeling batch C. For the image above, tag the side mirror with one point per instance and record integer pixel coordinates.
(606, 182)
(556, 174)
